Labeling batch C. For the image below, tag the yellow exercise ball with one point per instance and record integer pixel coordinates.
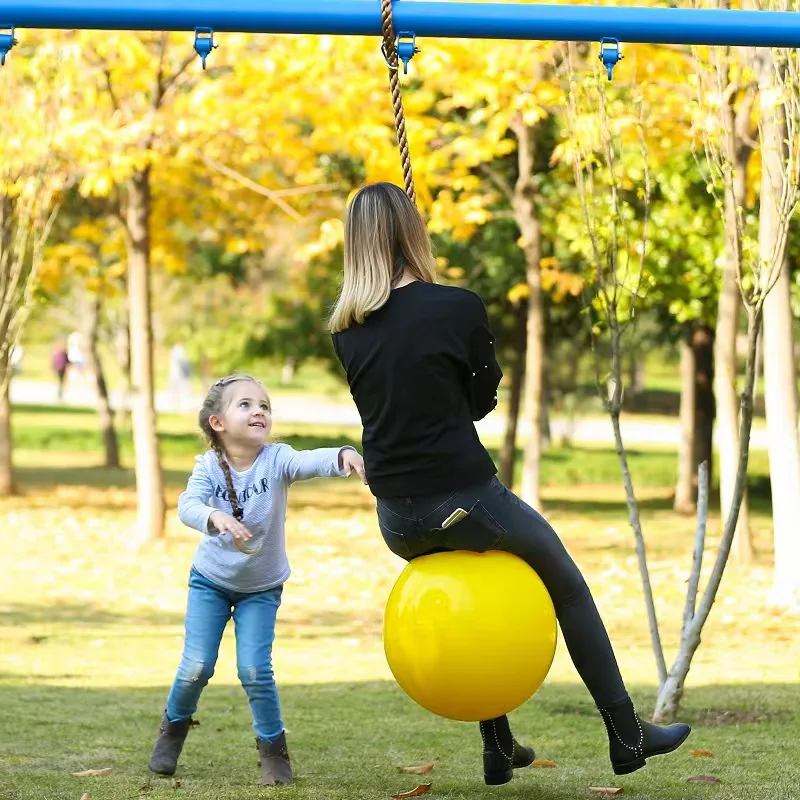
(469, 636)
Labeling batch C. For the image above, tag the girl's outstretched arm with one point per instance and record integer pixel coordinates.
(322, 462)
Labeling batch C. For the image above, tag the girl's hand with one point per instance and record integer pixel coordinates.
(350, 460)
(225, 523)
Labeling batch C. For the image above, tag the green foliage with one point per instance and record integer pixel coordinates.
(686, 247)
(294, 324)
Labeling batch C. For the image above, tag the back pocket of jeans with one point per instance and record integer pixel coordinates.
(478, 531)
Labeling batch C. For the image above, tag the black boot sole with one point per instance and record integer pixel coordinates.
(627, 767)
(163, 772)
(504, 776)
(498, 778)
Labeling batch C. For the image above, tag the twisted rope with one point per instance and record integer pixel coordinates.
(390, 52)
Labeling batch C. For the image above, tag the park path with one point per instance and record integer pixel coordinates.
(309, 409)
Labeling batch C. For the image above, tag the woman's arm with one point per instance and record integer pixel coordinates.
(486, 372)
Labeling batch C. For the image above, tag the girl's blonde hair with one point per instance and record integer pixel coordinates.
(213, 406)
(384, 235)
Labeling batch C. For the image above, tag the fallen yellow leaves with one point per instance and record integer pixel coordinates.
(93, 773)
(701, 753)
(606, 789)
(423, 788)
(423, 769)
(542, 763)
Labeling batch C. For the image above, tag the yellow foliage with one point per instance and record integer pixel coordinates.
(561, 284)
(518, 293)
(290, 112)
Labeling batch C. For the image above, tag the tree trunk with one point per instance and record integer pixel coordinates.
(122, 345)
(94, 365)
(695, 615)
(636, 364)
(508, 452)
(149, 479)
(525, 214)
(703, 349)
(684, 488)
(613, 406)
(725, 369)
(7, 483)
(780, 377)
(544, 421)
(780, 396)
(697, 413)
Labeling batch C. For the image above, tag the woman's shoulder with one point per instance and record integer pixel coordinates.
(457, 297)
(443, 291)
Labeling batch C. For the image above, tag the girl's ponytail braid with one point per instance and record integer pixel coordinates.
(213, 405)
(238, 513)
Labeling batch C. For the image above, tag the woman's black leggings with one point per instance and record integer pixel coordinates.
(499, 520)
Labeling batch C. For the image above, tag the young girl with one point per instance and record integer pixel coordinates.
(236, 497)
(421, 365)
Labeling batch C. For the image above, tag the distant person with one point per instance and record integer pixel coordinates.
(15, 359)
(75, 351)
(180, 374)
(236, 498)
(59, 361)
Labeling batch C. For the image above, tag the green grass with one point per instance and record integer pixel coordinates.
(348, 739)
(72, 435)
(92, 626)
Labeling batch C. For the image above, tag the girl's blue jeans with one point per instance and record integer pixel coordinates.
(208, 610)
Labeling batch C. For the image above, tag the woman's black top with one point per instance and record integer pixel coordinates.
(420, 370)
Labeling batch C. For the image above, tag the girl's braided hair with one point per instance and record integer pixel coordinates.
(213, 406)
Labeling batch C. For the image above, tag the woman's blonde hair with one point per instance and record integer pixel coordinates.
(384, 235)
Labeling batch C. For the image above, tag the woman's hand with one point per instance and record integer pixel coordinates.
(350, 460)
(225, 523)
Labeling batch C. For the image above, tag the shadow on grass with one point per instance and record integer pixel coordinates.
(49, 410)
(657, 401)
(612, 506)
(98, 477)
(52, 620)
(83, 613)
(759, 498)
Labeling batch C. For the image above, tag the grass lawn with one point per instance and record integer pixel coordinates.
(92, 626)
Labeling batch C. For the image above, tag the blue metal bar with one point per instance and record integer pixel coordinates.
(433, 19)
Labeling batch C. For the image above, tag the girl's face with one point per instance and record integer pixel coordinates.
(246, 416)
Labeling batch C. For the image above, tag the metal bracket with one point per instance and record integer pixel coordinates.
(204, 43)
(610, 54)
(406, 48)
(7, 41)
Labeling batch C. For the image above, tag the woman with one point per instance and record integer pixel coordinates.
(421, 366)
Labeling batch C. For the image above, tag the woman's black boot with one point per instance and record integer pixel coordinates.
(501, 752)
(631, 740)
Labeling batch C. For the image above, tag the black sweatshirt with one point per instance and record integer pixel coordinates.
(420, 370)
